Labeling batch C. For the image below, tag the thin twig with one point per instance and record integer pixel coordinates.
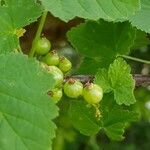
(141, 80)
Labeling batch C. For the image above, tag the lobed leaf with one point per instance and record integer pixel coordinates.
(111, 10)
(115, 118)
(141, 18)
(119, 80)
(88, 66)
(15, 14)
(102, 79)
(122, 82)
(26, 111)
(83, 118)
(141, 40)
(102, 40)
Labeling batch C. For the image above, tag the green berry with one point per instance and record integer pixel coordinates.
(51, 59)
(92, 93)
(56, 94)
(57, 74)
(65, 65)
(73, 88)
(42, 46)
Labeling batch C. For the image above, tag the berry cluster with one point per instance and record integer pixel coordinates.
(58, 66)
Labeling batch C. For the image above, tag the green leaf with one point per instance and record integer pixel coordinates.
(141, 40)
(88, 66)
(8, 43)
(110, 10)
(119, 80)
(122, 82)
(141, 18)
(83, 117)
(102, 40)
(15, 14)
(114, 118)
(102, 79)
(26, 111)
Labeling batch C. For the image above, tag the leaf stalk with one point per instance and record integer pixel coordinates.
(38, 33)
(135, 59)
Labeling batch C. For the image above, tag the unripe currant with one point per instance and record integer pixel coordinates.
(51, 59)
(42, 46)
(57, 74)
(56, 94)
(92, 93)
(64, 64)
(73, 88)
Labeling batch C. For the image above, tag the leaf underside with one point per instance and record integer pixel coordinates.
(141, 19)
(93, 10)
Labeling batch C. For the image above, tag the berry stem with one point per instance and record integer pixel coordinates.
(135, 59)
(38, 33)
(140, 79)
(19, 49)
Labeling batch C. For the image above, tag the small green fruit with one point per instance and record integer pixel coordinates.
(92, 93)
(73, 88)
(51, 59)
(56, 94)
(65, 65)
(42, 46)
(57, 74)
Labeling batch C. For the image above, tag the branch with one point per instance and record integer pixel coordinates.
(141, 80)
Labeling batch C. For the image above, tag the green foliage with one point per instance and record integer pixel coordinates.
(25, 109)
(113, 118)
(102, 79)
(122, 82)
(83, 117)
(143, 101)
(141, 40)
(102, 40)
(15, 14)
(88, 66)
(120, 10)
(28, 87)
(141, 18)
(119, 80)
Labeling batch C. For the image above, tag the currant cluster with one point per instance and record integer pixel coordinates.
(59, 66)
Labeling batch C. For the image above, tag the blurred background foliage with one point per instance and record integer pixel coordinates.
(137, 136)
